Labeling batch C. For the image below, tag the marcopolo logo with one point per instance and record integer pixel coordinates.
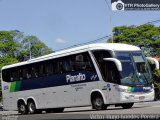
(75, 78)
(118, 5)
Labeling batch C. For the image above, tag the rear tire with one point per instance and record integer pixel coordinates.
(22, 108)
(32, 108)
(127, 105)
(98, 103)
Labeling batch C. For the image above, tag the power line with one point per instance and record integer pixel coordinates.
(153, 22)
(102, 38)
(107, 36)
(92, 41)
(99, 39)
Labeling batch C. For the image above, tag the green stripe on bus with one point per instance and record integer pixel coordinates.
(15, 86)
(18, 85)
(12, 88)
(130, 89)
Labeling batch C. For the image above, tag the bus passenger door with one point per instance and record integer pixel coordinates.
(111, 76)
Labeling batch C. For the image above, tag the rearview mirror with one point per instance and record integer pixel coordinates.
(154, 61)
(116, 61)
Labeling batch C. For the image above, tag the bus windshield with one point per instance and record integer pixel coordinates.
(135, 70)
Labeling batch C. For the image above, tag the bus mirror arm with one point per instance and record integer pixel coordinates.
(154, 61)
(116, 61)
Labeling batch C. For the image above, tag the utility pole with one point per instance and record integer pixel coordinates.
(30, 54)
(110, 18)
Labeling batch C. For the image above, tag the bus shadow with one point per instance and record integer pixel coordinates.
(91, 110)
(111, 109)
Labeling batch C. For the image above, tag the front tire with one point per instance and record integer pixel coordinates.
(98, 103)
(127, 105)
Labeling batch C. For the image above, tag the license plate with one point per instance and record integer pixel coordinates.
(141, 98)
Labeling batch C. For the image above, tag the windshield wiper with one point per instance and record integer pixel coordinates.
(145, 78)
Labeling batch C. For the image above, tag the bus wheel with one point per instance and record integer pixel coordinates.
(22, 108)
(32, 107)
(127, 105)
(98, 103)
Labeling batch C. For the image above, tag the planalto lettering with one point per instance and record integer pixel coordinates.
(75, 78)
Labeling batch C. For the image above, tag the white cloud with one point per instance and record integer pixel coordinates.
(60, 40)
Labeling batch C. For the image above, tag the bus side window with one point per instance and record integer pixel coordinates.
(79, 62)
(112, 74)
(41, 70)
(108, 69)
(6, 76)
(20, 74)
(14, 75)
(88, 63)
(48, 68)
(34, 71)
(28, 72)
(11, 77)
(82, 62)
(57, 66)
(66, 63)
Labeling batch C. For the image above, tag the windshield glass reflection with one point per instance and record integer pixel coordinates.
(135, 70)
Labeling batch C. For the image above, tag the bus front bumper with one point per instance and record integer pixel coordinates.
(137, 97)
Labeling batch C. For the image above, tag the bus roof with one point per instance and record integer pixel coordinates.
(104, 46)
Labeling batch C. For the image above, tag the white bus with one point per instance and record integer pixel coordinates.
(97, 74)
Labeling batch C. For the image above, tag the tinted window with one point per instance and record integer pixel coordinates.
(82, 62)
(108, 69)
(6, 75)
(61, 65)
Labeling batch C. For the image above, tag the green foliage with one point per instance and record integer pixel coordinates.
(7, 44)
(33, 44)
(145, 36)
(156, 78)
(157, 73)
(7, 61)
(16, 47)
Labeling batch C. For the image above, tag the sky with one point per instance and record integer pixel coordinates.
(64, 23)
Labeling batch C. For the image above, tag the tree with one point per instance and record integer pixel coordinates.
(31, 44)
(16, 47)
(8, 46)
(14, 44)
(145, 36)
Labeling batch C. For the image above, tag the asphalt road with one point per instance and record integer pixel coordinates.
(138, 111)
